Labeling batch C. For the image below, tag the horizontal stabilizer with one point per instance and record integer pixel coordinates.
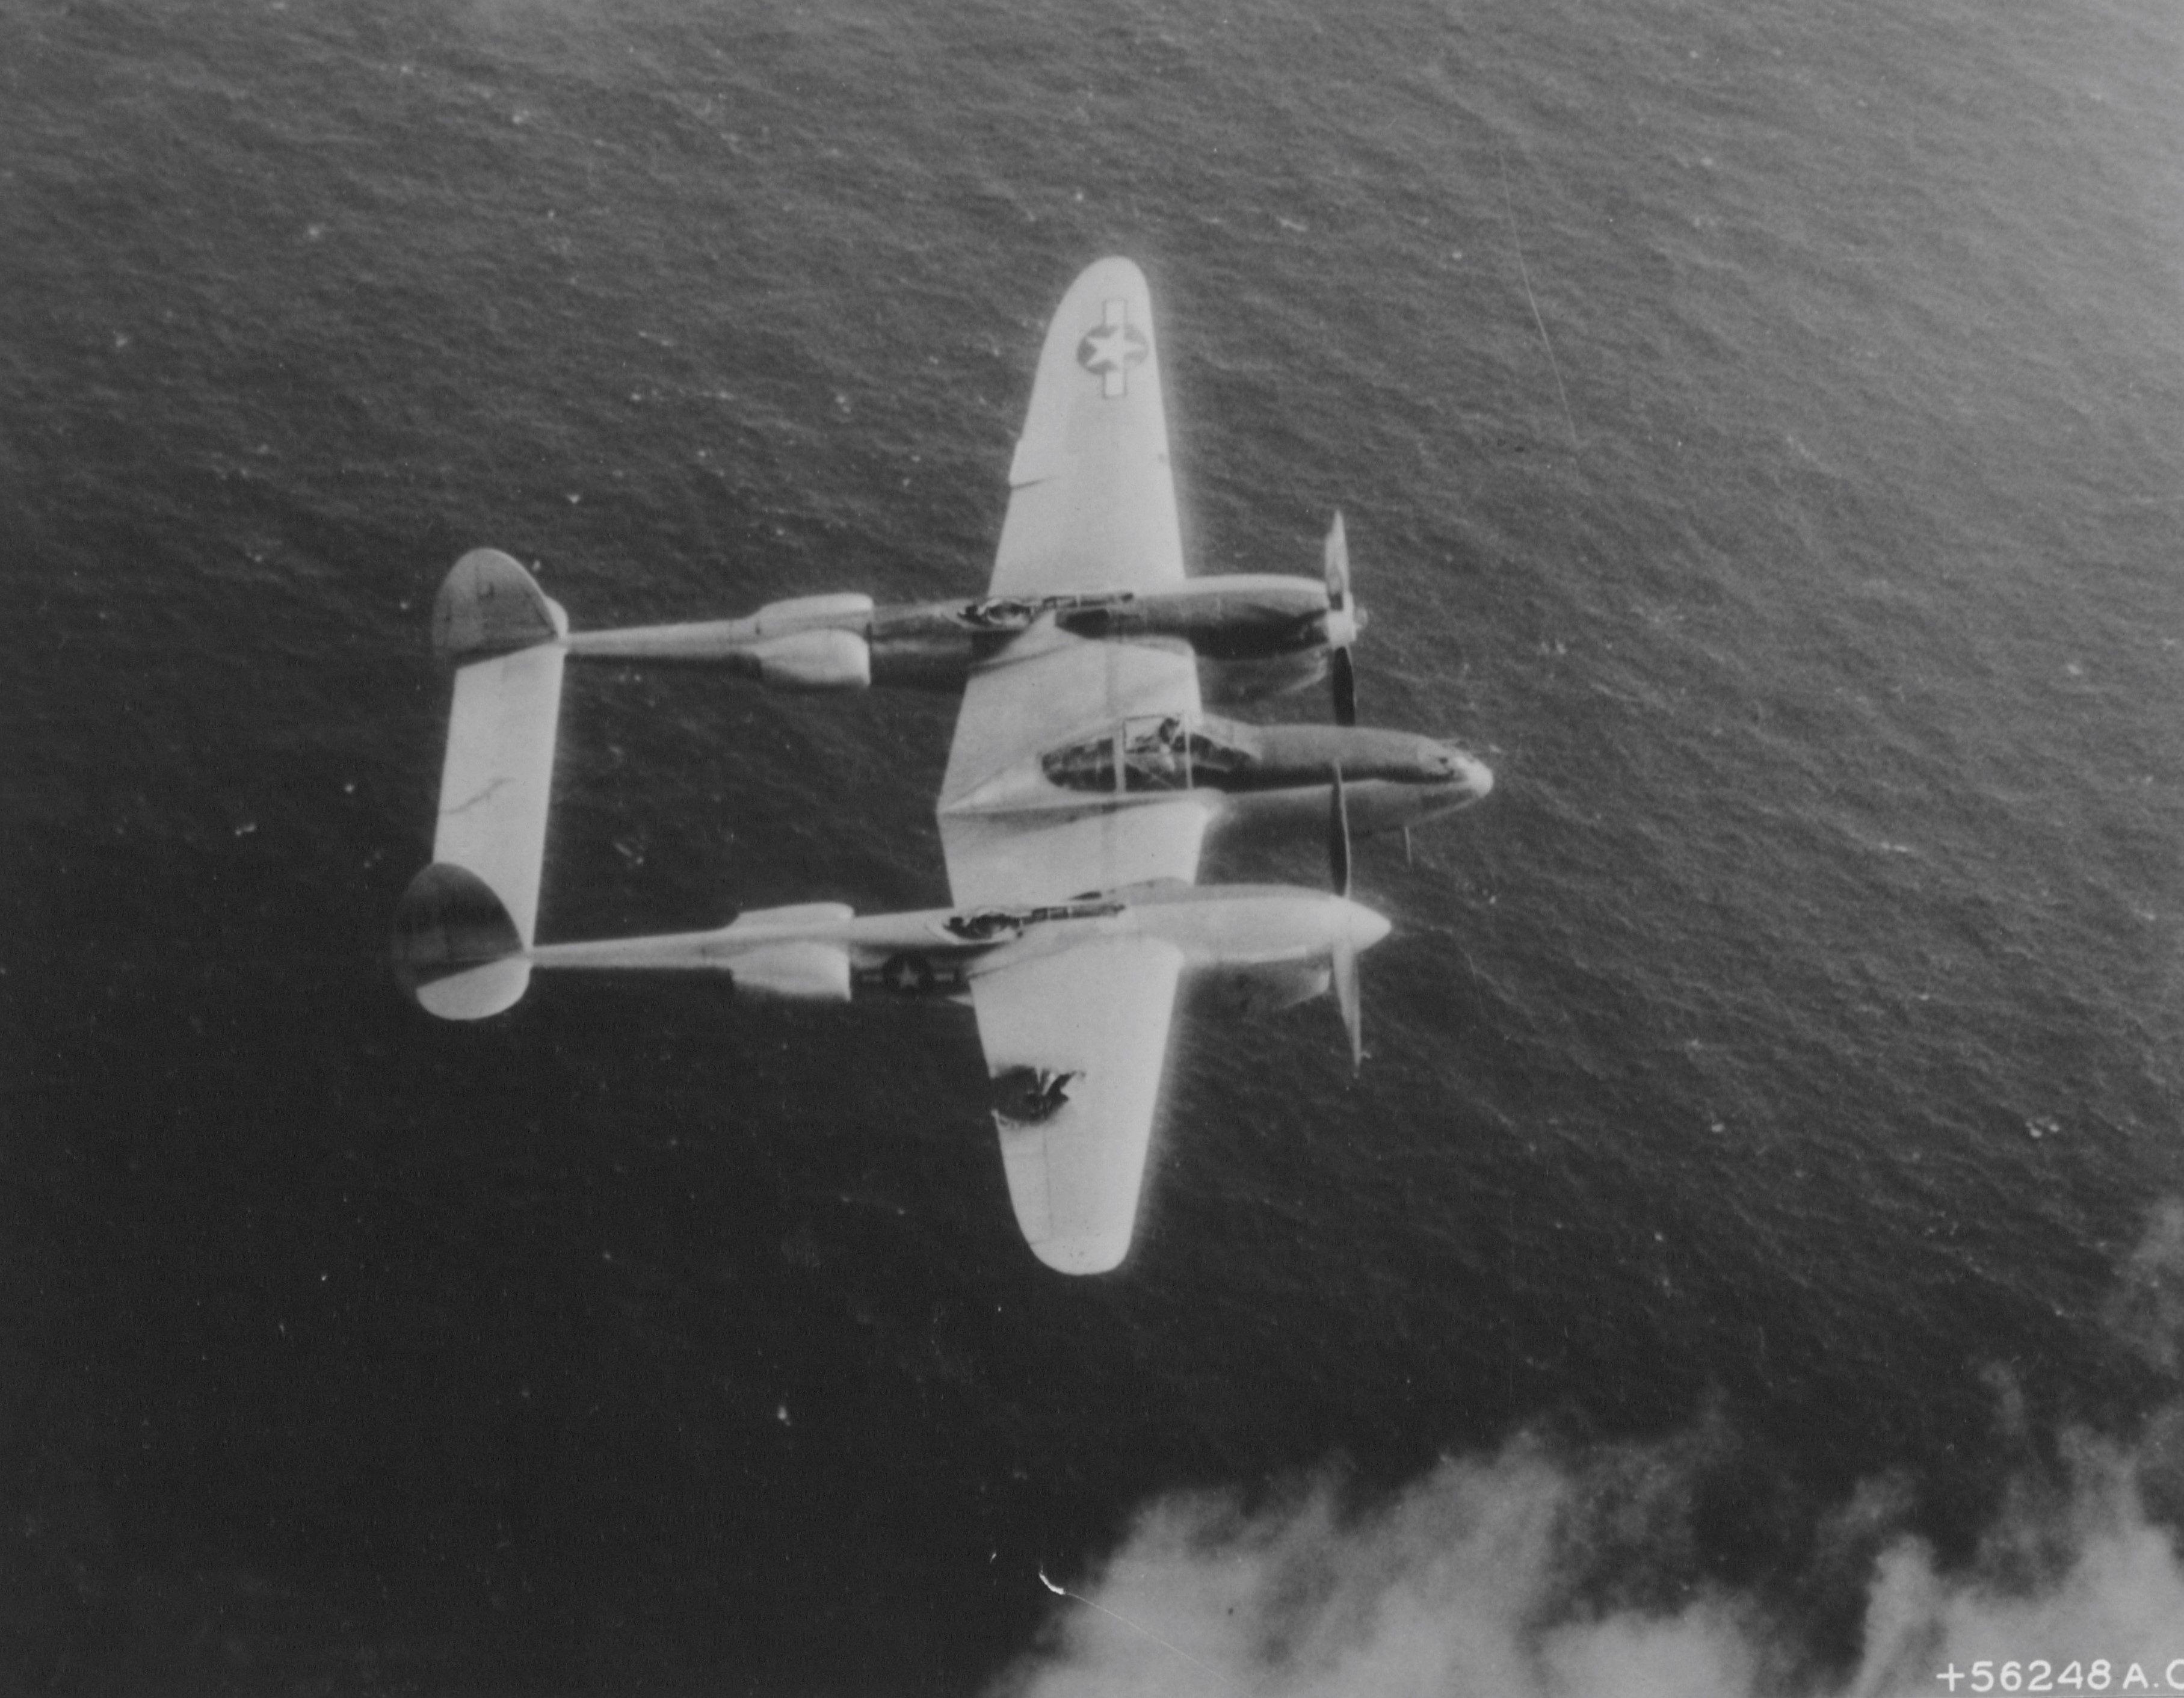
(489, 605)
(494, 787)
(456, 949)
(498, 776)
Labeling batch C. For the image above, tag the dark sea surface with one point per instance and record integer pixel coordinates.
(1761, 432)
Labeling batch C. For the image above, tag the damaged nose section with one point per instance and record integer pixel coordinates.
(1462, 776)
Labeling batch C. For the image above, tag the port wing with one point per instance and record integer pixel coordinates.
(1075, 1043)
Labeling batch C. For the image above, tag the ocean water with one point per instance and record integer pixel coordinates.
(1758, 430)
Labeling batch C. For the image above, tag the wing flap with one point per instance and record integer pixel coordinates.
(1023, 859)
(1076, 1042)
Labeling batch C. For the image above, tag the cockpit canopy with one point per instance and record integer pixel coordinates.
(1154, 752)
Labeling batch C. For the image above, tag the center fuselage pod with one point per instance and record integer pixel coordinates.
(1275, 629)
(1252, 776)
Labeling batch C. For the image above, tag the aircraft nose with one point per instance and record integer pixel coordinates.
(1470, 778)
(1365, 926)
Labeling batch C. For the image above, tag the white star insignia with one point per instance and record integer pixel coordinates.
(1110, 347)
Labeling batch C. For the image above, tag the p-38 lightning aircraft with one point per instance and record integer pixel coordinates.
(1080, 789)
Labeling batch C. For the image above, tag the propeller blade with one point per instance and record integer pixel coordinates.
(1345, 619)
(1338, 833)
(1344, 953)
(1344, 677)
(1346, 993)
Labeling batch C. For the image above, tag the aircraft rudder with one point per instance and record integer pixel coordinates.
(455, 949)
(487, 605)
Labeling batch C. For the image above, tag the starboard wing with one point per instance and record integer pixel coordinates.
(1091, 498)
(1075, 1043)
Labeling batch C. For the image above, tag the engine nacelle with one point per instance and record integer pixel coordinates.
(793, 972)
(818, 659)
(802, 612)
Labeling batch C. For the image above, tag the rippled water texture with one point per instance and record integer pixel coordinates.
(1759, 430)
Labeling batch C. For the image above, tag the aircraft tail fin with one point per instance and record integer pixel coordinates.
(482, 888)
(456, 949)
(489, 605)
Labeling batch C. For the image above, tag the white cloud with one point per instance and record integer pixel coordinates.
(2117, 1595)
(1457, 1587)
(1513, 1576)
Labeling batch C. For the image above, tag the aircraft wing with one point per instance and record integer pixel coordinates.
(1091, 507)
(1076, 1042)
(1091, 499)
